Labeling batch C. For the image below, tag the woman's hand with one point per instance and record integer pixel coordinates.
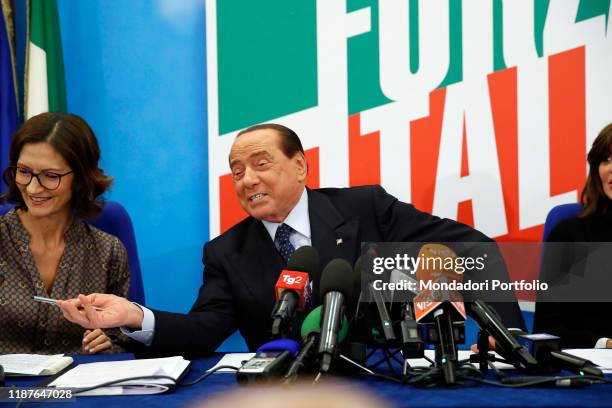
(95, 341)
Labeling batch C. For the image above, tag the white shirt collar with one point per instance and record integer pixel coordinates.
(298, 219)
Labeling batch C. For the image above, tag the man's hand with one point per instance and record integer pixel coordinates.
(95, 341)
(116, 311)
(474, 347)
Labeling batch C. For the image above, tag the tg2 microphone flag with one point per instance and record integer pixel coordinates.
(293, 288)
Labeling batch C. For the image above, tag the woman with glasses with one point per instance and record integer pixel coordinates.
(46, 247)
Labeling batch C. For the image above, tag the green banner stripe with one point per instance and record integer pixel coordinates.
(45, 33)
(267, 60)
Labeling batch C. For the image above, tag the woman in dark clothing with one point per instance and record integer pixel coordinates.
(583, 319)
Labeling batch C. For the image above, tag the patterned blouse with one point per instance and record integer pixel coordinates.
(93, 261)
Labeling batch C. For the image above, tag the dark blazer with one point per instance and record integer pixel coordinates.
(242, 265)
(579, 324)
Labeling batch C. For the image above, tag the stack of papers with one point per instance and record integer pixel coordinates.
(93, 374)
(34, 364)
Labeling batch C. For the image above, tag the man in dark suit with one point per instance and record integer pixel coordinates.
(242, 265)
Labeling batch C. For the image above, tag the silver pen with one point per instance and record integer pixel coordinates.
(54, 302)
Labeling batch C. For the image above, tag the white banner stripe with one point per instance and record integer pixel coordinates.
(37, 89)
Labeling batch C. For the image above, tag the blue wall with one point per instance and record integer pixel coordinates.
(136, 71)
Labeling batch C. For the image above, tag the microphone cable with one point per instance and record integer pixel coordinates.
(115, 382)
(207, 374)
(468, 375)
(156, 377)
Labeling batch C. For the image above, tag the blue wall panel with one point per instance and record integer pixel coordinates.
(136, 71)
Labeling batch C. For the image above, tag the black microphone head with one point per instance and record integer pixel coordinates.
(305, 259)
(364, 271)
(362, 263)
(363, 266)
(340, 276)
(371, 249)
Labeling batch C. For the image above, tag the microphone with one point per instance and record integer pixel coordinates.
(293, 288)
(412, 342)
(547, 350)
(409, 285)
(269, 363)
(292, 346)
(431, 269)
(338, 285)
(505, 344)
(363, 268)
(311, 329)
(445, 308)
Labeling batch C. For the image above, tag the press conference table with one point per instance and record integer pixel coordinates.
(400, 395)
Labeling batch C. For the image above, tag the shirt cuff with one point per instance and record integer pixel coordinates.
(601, 343)
(145, 334)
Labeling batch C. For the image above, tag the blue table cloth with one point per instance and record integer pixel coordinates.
(399, 395)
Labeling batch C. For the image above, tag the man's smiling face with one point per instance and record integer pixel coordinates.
(267, 182)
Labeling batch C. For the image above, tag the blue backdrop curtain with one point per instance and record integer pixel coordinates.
(8, 91)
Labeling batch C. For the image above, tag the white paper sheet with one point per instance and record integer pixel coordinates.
(601, 357)
(33, 364)
(232, 359)
(88, 375)
(463, 355)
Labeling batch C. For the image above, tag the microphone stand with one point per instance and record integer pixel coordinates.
(299, 362)
(483, 357)
(446, 350)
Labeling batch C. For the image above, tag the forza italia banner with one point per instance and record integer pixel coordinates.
(480, 111)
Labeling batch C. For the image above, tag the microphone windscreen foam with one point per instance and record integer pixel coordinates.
(340, 276)
(291, 346)
(312, 322)
(305, 259)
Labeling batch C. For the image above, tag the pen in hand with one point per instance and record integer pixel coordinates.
(43, 299)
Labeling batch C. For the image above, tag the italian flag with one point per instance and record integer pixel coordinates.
(45, 87)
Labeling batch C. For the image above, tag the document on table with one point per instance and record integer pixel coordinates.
(34, 364)
(462, 355)
(233, 360)
(92, 374)
(601, 357)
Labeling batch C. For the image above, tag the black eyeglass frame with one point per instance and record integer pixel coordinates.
(12, 170)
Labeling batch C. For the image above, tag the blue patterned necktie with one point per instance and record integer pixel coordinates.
(281, 240)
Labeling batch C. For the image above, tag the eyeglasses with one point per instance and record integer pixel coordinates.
(48, 179)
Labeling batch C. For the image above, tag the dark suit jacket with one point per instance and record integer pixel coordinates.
(242, 265)
(579, 324)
